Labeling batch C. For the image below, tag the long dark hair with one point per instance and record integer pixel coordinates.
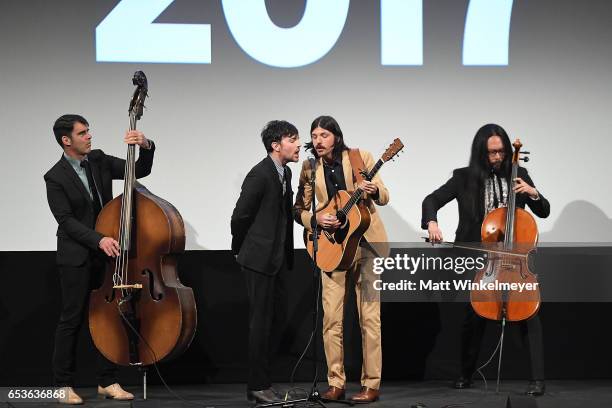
(479, 165)
(480, 168)
(328, 123)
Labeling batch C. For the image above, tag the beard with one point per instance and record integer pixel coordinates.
(495, 168)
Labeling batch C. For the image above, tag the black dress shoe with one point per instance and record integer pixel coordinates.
(462, 382)
(536, 388)
(263, 396)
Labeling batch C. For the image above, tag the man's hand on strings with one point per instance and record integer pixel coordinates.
(109, 246)
(521, 187)
(328, 221)
(368, 187)
(136, 137)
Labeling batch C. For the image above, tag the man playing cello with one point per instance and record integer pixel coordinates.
(479, 189)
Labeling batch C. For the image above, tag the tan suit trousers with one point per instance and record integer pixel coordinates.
(335, 287)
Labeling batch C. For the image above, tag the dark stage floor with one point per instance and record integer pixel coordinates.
(434, 394)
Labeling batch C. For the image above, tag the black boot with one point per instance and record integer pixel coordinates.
(463, 382)
(536, 388)
(263, 396)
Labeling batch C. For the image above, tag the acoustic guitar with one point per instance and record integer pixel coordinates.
(337, 249)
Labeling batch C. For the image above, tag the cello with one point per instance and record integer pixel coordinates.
(141, 314)
(516, 230)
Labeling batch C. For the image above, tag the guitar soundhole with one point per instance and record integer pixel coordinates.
(340, 234)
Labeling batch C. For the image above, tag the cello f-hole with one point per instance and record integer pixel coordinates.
(151, 278)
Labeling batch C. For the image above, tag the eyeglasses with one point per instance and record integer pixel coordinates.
(493, 153)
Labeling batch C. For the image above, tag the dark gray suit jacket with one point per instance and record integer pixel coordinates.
(71, 203)
(260, 214)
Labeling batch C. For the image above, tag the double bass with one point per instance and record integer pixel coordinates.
(516, 231)
(142, 313)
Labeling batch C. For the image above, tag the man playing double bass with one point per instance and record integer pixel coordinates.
(334, 172)
(479, 189)
(78, 186)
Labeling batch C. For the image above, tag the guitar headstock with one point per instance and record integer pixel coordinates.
(393, 149)
(140, 94)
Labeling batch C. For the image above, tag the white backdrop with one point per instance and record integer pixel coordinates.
(206, 118)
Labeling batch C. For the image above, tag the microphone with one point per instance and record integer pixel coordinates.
(313, 167)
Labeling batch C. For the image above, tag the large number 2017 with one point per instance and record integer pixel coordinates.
(485, 40)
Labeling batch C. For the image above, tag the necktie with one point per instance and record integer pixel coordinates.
(92, 186)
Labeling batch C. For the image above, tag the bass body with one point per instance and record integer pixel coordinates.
(162, 310)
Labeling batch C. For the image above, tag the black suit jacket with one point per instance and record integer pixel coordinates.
(71, 204)
(471, 208)
(258, 219)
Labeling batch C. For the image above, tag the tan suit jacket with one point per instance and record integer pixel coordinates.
(376, 232)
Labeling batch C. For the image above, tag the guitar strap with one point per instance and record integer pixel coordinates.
(357, 165)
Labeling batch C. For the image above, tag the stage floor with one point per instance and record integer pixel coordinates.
(434, 394)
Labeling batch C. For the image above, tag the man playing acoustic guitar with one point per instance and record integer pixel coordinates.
(334, 172)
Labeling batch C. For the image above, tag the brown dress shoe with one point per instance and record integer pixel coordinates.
(366, 395)
(115, 392)
(333, 394)
(68, 396)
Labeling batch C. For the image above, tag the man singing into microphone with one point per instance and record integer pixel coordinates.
(262, 240)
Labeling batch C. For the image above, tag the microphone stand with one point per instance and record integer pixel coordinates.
(315, 395)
